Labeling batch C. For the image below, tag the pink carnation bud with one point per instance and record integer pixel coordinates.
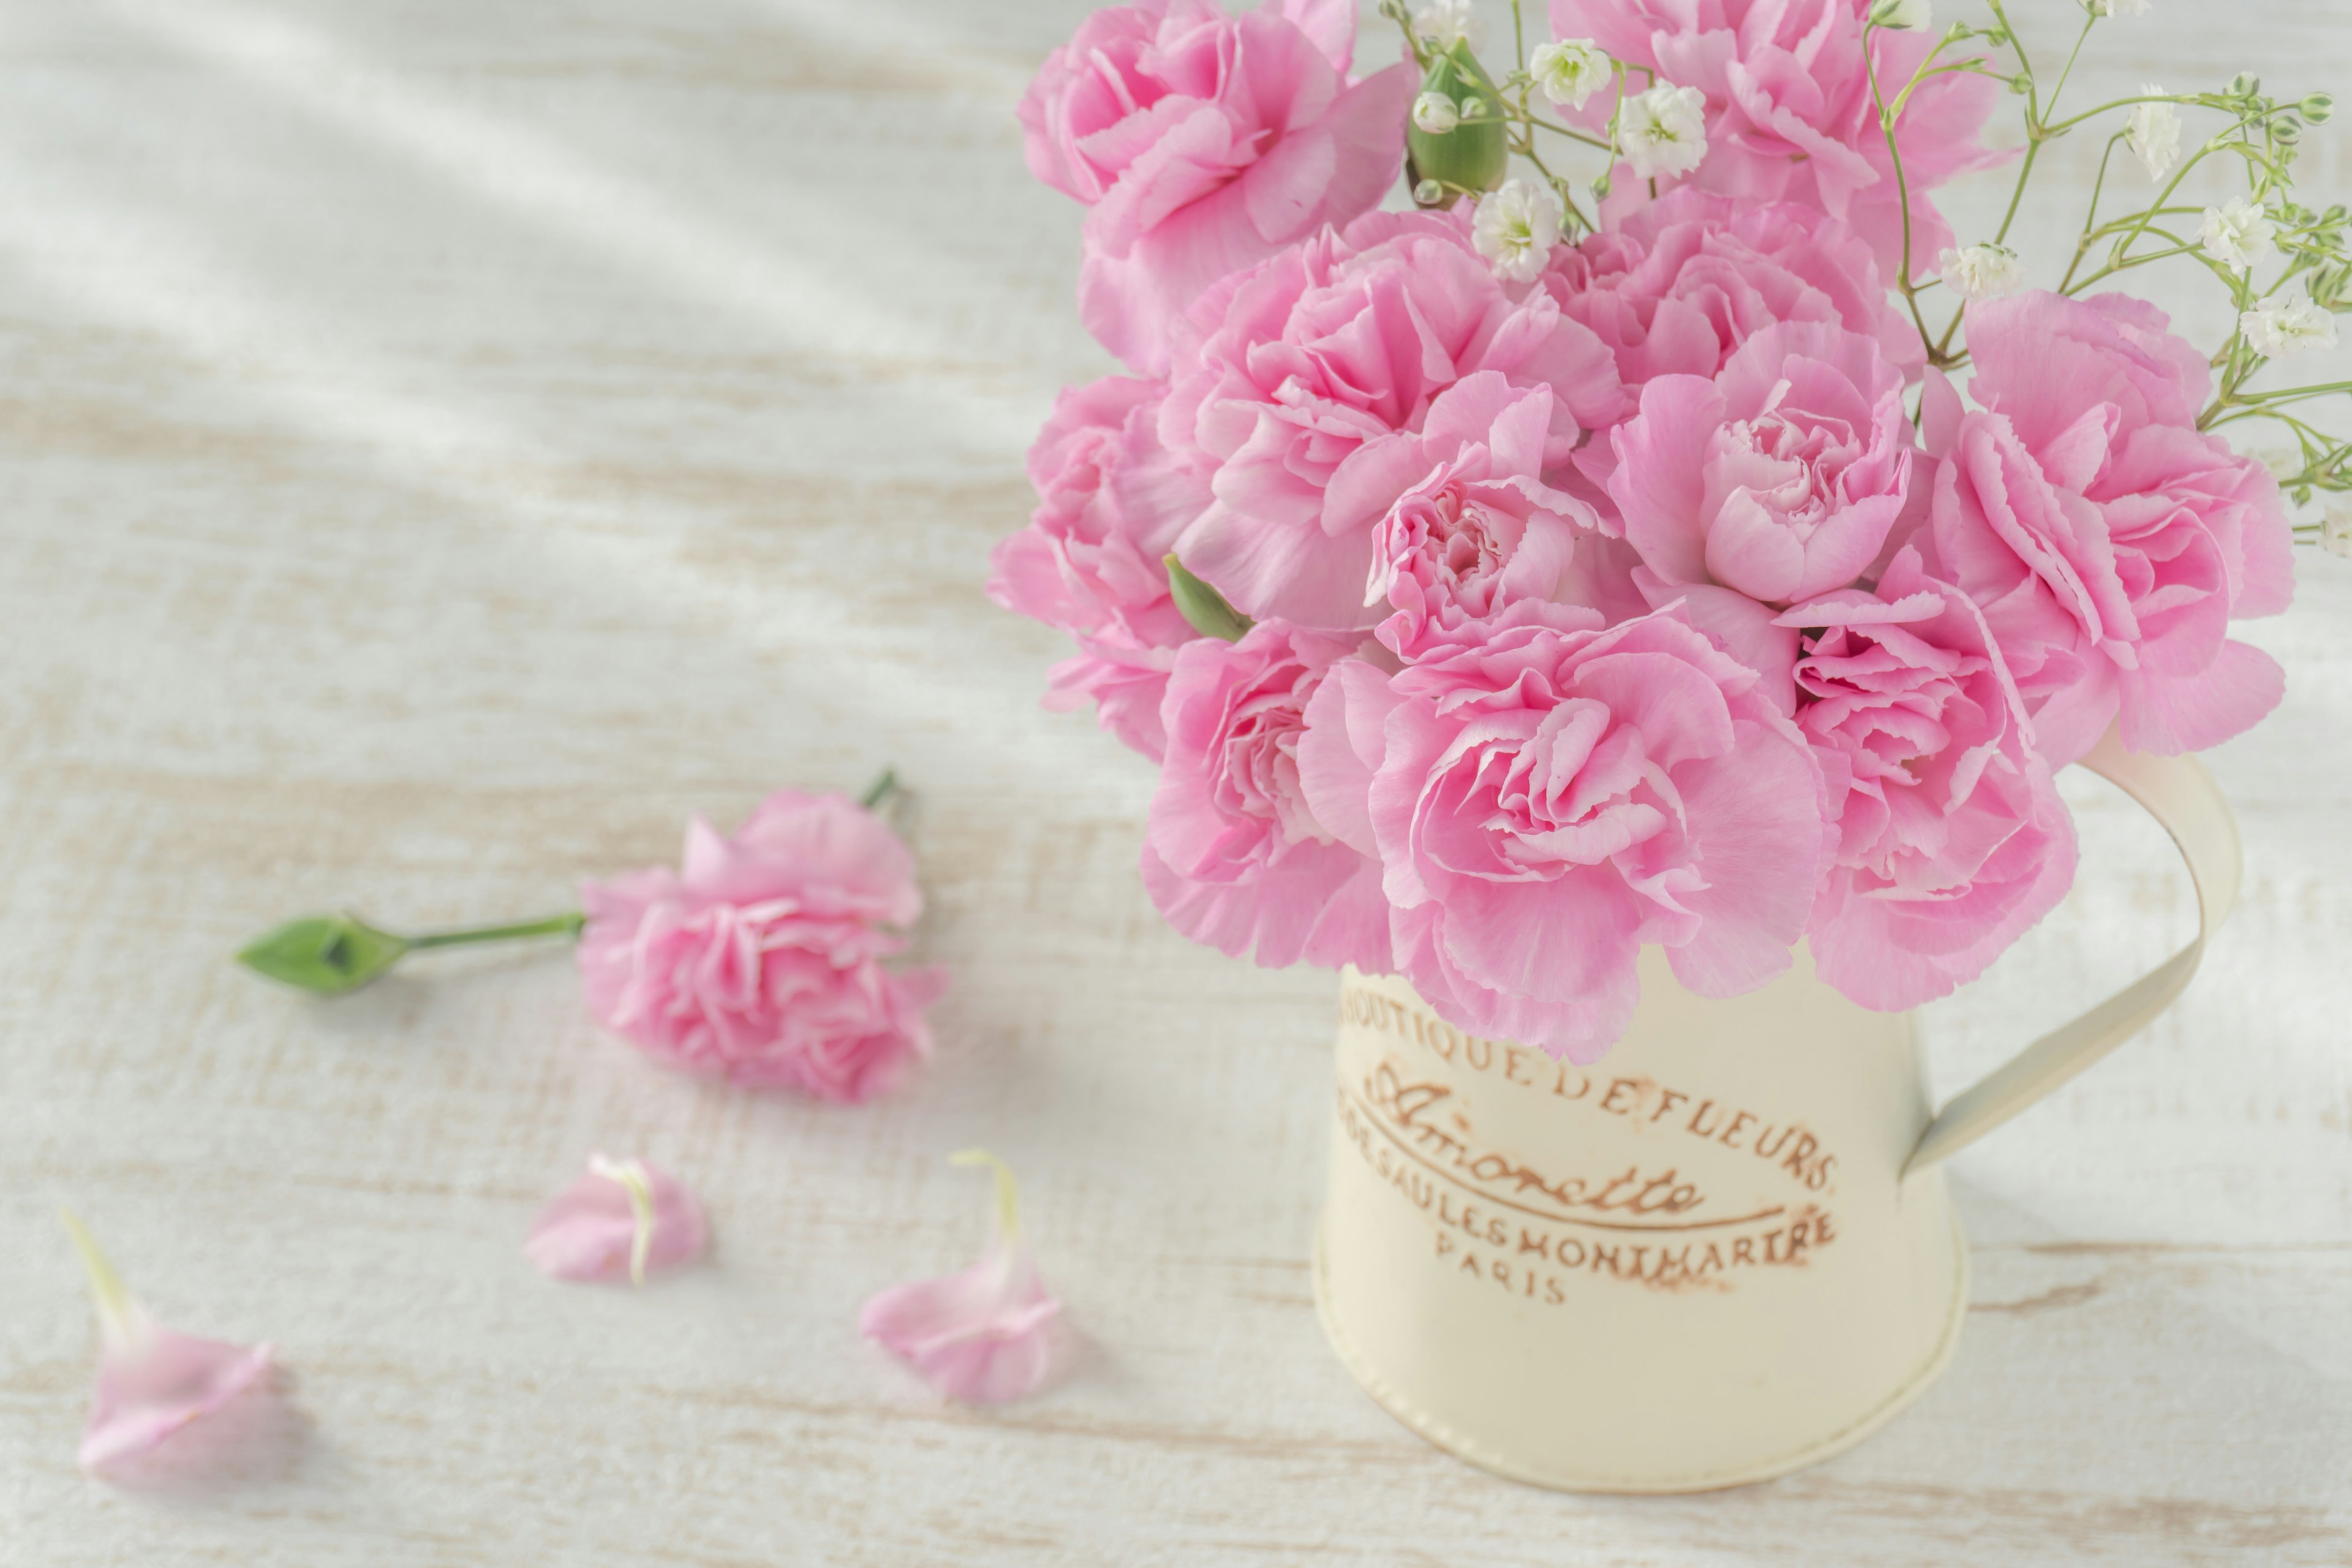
(621, 1220)
(151, 1381)
(989, 1335)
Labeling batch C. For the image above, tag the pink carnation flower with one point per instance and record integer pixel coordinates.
(1550, 797)
(1204, 142)
(1788, 110)
(1110, 502)
(1678, 284)
(1778, 479)
(2108, 540)
(1125, 679)
(760, 960)
(1464, 524)
(1236, 856)
(1294, 366)
(1951, 837)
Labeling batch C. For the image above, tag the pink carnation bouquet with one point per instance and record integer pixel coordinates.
(1597, 502)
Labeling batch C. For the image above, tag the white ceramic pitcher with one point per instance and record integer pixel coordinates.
(1719, 1253)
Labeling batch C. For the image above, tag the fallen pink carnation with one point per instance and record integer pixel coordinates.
(760, 960)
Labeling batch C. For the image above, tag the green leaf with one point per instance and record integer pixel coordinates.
(1475, 154)
(1204, 606)
(327, 954)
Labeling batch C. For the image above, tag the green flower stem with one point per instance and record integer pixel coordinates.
(1540, 122)
(880, 790)
(553, 925)
(2292, 394)
(1902, 193)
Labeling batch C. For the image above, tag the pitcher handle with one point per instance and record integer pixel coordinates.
(2180, 794)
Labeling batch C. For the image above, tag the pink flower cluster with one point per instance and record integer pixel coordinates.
(760, 960)
(1666, 599)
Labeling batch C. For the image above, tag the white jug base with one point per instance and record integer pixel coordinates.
(1467, 1447)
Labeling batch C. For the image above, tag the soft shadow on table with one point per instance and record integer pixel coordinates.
(2100, 1409)
(395, 1004)
(259, 1440)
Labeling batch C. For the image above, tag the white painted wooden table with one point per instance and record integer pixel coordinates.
(442, 445)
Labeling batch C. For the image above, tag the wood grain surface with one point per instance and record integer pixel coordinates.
(443, 445)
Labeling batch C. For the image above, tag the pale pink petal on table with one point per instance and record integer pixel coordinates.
(621, 1220)
(152, 1382)
(989, 1335)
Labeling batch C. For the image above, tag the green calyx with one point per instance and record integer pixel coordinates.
(1204, 606)
(1474, 155)
(325, 954)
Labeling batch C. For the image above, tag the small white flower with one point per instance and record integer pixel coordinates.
(1435, 114)
(2336, 531)
(1663, 130)
(2237, 235)
(2153, 132)
(1906, 16)
(2287, 324)
(1981, 271)
(1516, 227)
(1570, 71)
(1441, 23)
(2118, 7)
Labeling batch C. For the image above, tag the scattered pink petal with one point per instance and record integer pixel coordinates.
(620, 1220)
(151, 1381)
(989, 1335)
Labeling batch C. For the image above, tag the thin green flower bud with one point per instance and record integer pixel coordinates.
(2317, 108)
(1203, 606)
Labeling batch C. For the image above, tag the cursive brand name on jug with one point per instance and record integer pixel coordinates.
(1513, 1242)
(1413, 1111)
(1787, 1146)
